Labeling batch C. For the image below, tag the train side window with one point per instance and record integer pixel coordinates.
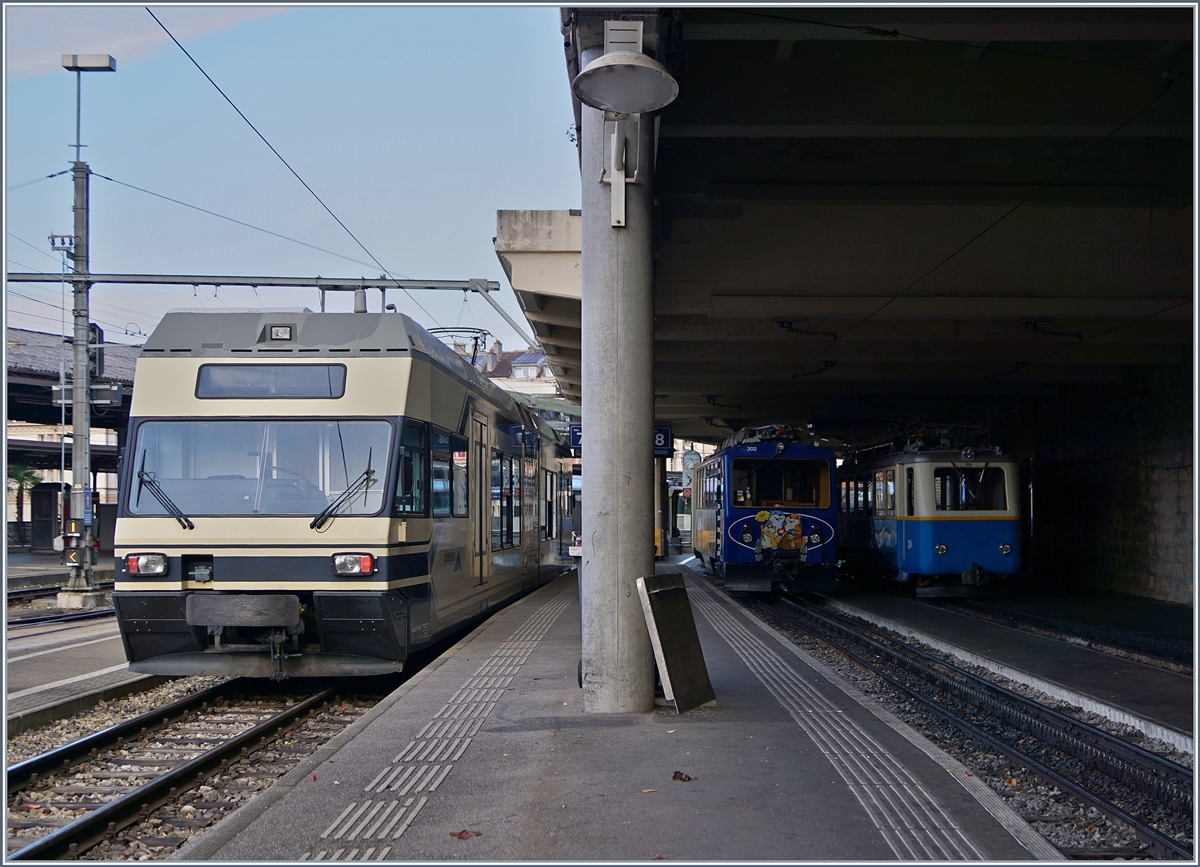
(459, 490)
(910, 492)
(497, 503)
(518, 499)
(890, 499)
(506, 486)
(411, 474)
(440, 477)
(547, 505)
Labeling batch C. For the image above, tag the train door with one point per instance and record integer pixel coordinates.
(530, 537)
(910, 509)
(481, 501)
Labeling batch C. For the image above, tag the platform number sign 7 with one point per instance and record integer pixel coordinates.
(664, 443)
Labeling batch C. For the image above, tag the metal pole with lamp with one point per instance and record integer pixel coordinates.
(80, 591)
(619, 88)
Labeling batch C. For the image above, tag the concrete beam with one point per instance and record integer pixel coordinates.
(750, 306)
(918, 130)
(858, 27)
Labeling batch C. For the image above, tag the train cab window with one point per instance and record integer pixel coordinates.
(780, 482)
(969, 488)
(271, 380)
(440, 477)
(411, 475)
(458, 469)
(880, 506)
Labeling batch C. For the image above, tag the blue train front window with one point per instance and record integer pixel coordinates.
(969, 488)
(259, 467)
(779, 483)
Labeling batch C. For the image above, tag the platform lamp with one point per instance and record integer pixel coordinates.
(625, 84)
(80, 592)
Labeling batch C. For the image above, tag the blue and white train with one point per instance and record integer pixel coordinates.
(322, 494)
(945, 521)
(765, 509)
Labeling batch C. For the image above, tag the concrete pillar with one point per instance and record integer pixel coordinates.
(618, 404)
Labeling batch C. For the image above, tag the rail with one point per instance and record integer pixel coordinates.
(103, 821)
(1166, 782)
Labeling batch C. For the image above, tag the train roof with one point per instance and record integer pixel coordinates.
(246, 334)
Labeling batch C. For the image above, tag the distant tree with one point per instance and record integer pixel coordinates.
(21, 477)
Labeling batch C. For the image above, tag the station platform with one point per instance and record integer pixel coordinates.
(1156, 701)
(24, 568)
(55, 670)
(487, 754)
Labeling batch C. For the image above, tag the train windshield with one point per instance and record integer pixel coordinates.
(259, 467)
(779, 483)
(974, 488)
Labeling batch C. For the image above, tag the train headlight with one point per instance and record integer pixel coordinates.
(1006, 548)
(814, 538)
(146, 564)
(940, 548)
(353, 564)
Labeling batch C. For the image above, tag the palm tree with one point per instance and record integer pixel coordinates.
(21, 477)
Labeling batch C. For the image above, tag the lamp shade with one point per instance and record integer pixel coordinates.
(627, 82)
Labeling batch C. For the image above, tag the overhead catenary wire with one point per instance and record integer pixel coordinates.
(31, 246)
(37, 180)
(233, 220)
(288, 166)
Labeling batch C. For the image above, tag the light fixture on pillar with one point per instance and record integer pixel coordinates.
(625, 84)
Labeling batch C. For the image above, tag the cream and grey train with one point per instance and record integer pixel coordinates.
(308, 494)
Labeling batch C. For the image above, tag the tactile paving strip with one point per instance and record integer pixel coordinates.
(399, 791)
(908, 817)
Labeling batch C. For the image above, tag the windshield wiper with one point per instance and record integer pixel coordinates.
(363, 481)
(147, 479)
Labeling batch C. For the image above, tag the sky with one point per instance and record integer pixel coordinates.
(414, 125)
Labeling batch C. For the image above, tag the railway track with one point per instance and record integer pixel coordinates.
(67, 800)
(61, 617)
(45, 591)
(973, 705)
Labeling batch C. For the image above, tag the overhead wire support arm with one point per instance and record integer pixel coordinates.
(481, 286)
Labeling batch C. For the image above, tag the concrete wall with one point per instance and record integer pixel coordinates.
(1113, 484)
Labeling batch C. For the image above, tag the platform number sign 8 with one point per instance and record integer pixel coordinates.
(663, 441)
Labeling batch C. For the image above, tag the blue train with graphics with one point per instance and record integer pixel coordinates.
(765, 508)
(945, 521)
